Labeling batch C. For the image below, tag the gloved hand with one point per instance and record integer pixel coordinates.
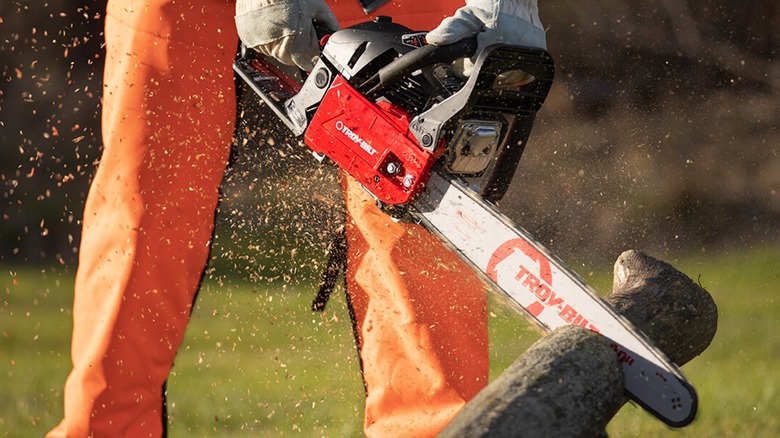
(493, 21)
(284, 29)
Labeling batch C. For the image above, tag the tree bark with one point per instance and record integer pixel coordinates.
(569, 383)
(670, 308)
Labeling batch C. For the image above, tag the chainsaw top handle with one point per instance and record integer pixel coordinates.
(415, 60)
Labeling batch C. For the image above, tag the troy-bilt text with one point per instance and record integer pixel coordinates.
(547, 295)
(341, 127)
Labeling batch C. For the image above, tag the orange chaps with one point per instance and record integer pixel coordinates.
(168, 120)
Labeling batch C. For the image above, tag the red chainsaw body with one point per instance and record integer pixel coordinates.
(371, 142)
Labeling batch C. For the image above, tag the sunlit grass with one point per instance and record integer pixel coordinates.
(737, 378)
(35, 322)
(257, 362)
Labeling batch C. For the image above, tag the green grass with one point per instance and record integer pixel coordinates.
(738, 377)
(257, 362)
(35, 322)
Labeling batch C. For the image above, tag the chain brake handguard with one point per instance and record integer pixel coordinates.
(385, 148)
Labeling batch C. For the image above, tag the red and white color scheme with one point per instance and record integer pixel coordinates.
(371, 142)
(550, 293)
(380, 145)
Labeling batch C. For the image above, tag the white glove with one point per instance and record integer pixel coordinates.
(284, 29)
(493, 21)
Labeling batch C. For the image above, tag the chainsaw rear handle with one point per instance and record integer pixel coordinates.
(415, 60)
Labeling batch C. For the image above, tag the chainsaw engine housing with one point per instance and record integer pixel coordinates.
(386, 107)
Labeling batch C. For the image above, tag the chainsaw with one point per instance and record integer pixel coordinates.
(438, 147)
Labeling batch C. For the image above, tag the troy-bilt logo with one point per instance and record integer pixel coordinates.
(536, 279)
(342, 128)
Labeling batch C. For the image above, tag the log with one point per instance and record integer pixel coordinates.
(677, 314)
(569, 383)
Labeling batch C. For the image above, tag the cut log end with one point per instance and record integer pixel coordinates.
(670, 308)
(569, 383)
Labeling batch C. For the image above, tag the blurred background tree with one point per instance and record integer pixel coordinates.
(660, 134)
(49, 124)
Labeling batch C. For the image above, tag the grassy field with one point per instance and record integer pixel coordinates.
(257, 362)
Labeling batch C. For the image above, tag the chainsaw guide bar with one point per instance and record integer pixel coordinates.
(420, 136)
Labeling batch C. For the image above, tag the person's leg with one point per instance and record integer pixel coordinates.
(416, 15)
(168, 117)
(421, 317)
(421, 312)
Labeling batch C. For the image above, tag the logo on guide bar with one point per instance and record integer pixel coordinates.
(535, 277)
(342, 128)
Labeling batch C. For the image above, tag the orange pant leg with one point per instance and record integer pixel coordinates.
(417, 15)
(421, 320)
(421, 312)
(168, 118)
(168, 114)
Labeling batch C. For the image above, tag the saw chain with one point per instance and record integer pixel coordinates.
(400, 118)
